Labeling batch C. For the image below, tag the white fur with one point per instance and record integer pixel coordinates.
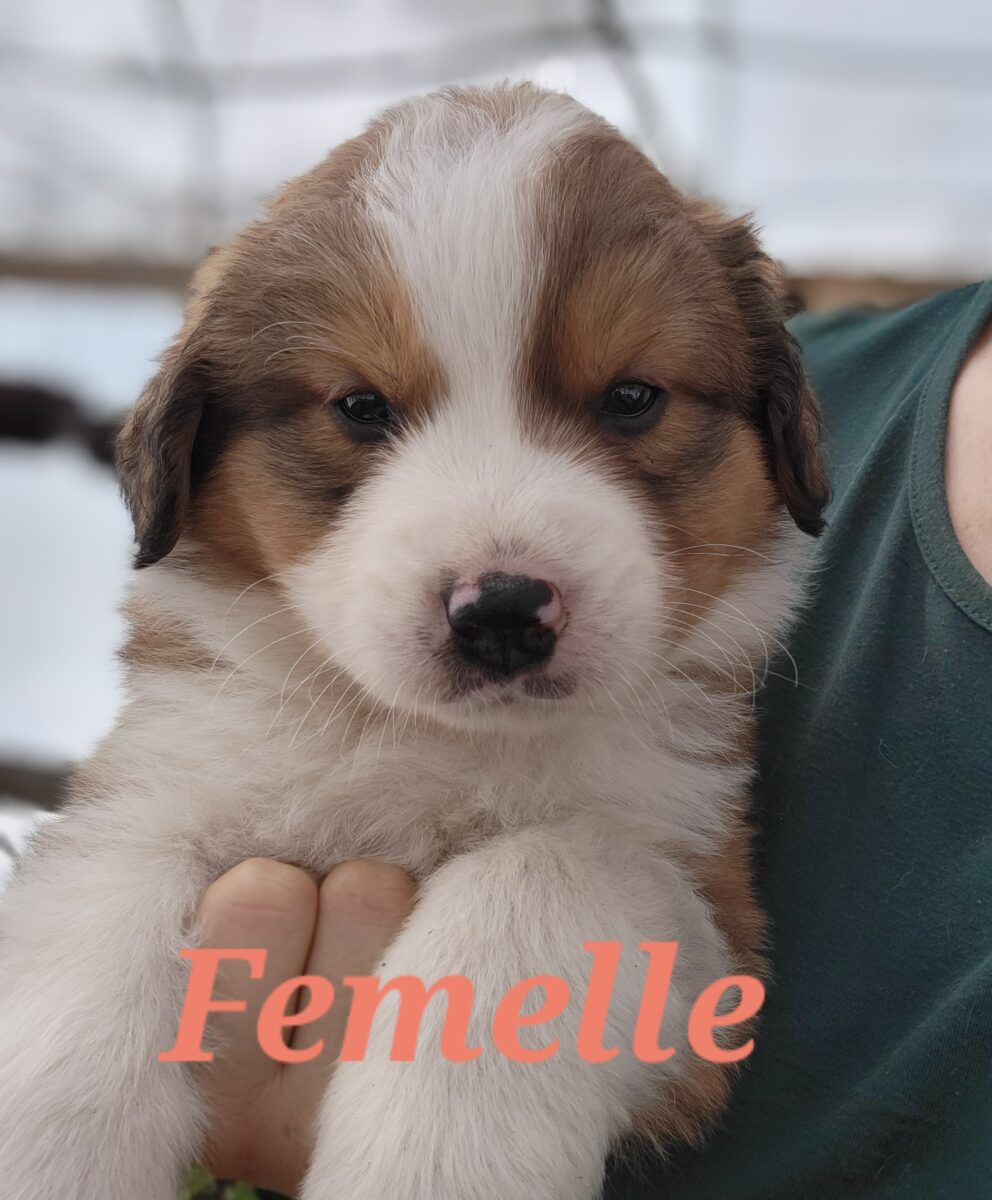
(454, 200)
(327, 733)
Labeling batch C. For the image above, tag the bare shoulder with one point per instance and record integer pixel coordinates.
(969, 455)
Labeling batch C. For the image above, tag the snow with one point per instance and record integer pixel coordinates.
(64, 535)
(64, 540)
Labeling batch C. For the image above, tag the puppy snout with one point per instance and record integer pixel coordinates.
(504, 625)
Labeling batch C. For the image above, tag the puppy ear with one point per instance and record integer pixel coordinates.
(155, 450)
(785, 410)
(792, 429)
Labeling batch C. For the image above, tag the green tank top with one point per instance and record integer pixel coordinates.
(872, 1070)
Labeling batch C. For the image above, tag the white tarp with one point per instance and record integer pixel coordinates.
(858, 132)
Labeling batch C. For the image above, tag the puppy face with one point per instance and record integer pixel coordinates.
(487, 393)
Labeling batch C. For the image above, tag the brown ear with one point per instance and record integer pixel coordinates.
(784, 408)
(792, 429)
(155, 451)
(174, 432)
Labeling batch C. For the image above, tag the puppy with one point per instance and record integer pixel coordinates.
(469, 502)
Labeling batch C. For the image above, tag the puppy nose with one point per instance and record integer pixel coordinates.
(505, 624)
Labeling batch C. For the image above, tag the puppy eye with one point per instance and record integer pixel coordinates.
(366, 408)
(632, 401)
(366, 416)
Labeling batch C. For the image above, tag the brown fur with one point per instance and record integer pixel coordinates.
(645, 286)
(689, 1109)
(782, 406)
(232, 440)
(160, 643)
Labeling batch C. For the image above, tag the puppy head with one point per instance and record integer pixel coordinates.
(488, 395)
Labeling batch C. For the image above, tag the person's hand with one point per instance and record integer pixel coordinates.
(262, 1113)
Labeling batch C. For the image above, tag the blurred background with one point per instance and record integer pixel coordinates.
(136, 133)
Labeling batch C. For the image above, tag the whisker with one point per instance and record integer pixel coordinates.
(366, 690)
(707, 696)
(703, 546)
(762, 634)
(244, 592)
(306, 716)
(693, 630)
(242, 632)
(260, 650)
(321, 667)
(283, 698)
(392, 711)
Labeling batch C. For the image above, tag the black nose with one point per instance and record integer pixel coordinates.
(504, 624)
